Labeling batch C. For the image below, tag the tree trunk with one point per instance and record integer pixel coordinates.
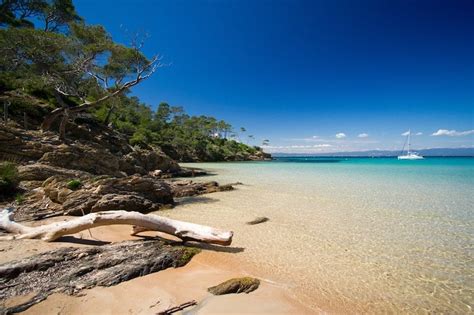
(53, 231)
(62, 125)
(109, 114)
(50, 118)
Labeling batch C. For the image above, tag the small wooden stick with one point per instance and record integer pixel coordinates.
(178, 308)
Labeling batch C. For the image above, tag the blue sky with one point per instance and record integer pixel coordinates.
(300, 72)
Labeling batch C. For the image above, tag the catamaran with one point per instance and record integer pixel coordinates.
(410, 155)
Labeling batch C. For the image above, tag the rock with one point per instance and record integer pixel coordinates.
(258, 220)
(236, 285)
(260, 156)
(185, 188)
(156, 173)
(86, 158)
(144, 161)
(90, 147)
(155, 190)
(38, 171)
(70, 270)
(132, 193)
(190, 172)
(21, 145)
(126, 202)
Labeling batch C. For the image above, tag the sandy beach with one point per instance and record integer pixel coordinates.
(159, 291)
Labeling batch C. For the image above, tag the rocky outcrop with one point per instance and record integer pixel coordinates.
(22, 145)
(41, 172)
(185, 188)
(70, 270)
(84, 158)
(132, 193)
(107, 172)
(260, 156)
(145, 161)
(93, 149)
(138, 193)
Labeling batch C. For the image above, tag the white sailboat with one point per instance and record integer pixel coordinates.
(410, 155)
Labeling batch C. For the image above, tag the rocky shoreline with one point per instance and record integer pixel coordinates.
(106, 171)
(95, 170)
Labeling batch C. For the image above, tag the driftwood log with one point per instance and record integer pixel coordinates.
(50, 232)
(70, 270)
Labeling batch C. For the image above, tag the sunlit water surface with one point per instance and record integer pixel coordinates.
(356, 234)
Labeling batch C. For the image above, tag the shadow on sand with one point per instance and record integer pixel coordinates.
(194, 199)
(82, 241)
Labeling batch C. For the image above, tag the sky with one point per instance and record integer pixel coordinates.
(310, 76)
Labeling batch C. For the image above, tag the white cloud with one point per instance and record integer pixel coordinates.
(452, 133)
(363, 135)
(413, 133)
(340, 135)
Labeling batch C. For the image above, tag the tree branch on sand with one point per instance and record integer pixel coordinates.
(50, 232)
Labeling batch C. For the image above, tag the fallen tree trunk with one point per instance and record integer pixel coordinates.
(70, 270)
(50, 232)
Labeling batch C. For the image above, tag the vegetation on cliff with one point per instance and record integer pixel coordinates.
(55, 70)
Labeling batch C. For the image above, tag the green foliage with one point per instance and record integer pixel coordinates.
(50, 58)
(74, 184)
(51, 15)
(186, 255)
(8, 178)
(20, 198)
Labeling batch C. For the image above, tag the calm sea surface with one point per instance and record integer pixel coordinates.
(361, 234)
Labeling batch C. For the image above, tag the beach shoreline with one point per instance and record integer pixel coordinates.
(331, 244)
(158, 291)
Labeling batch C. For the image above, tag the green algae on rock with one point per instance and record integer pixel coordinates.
(235, 285)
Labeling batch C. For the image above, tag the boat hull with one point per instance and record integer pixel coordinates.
(410, 157)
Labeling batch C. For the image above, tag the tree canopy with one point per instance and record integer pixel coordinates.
(48, 52)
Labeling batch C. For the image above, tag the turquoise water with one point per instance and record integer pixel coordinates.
(362, 234)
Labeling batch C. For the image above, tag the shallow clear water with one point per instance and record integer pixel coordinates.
(361, 234)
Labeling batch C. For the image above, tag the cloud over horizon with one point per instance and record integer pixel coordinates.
(413, 133)
(363, 135)
(340, 135)
(452, 133)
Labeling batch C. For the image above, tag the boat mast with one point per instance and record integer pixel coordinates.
(409, 135)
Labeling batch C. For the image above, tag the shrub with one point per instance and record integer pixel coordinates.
(74, 184)
(20, 198)
(8, 178)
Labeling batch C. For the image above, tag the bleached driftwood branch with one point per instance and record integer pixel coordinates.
(53, 231)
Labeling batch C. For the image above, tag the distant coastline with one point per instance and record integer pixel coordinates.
(435, 152)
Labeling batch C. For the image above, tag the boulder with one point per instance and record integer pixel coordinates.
(155, 190)
(128, 202)
(236, 285)
(145, 161)
(185, 188)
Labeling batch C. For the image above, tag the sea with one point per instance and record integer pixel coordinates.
(352, 235)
